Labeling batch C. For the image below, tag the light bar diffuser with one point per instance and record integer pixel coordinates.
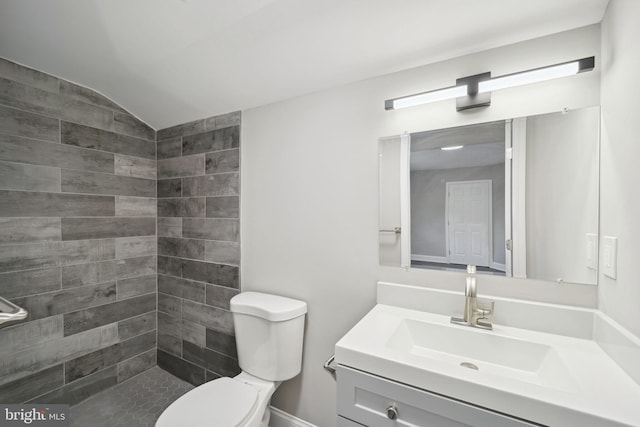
(536, 75)
(426, 97)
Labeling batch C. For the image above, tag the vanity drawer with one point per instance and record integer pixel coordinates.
(365, 399)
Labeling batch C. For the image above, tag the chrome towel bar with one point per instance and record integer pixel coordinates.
(396, 230)
(329, 367)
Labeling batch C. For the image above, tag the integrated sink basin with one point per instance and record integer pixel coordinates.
(485, 351)
(545, 378)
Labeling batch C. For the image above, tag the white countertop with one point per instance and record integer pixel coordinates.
(589, 390)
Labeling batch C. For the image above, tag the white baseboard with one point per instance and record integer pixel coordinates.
(282, 419)
(498, 266)
(429, 258)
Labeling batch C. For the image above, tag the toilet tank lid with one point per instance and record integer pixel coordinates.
(270, 307)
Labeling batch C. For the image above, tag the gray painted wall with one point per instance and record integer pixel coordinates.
(198, 247)
(77, 239)
(428, 200)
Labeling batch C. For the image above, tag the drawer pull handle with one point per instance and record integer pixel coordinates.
(392, 412)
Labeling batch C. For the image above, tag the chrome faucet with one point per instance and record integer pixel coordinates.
(477, 313)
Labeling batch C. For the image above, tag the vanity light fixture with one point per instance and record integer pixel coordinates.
(451, 147)
(475, 91)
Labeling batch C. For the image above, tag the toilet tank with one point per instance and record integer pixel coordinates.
(269, 332)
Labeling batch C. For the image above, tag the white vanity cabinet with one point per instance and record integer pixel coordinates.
(368, 400)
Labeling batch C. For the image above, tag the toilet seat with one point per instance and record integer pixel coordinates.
(222, 402)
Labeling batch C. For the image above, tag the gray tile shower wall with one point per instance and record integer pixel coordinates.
(198, 247)
(77, 239)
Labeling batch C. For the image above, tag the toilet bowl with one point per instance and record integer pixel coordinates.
(239, 401)
(269, 335)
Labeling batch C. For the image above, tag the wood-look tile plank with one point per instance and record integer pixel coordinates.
(181, 166)
(17, 176)
(23, 97)
(135, 166)
(77, 391)
(193, 332)
(170, 187)
(211, 229)
(169, 304)
(223, 120)
(94, 317)
(210, 317)
(170, 266)
(90, 137)
(211, 360)
(33, 385)
(183, 129)
(24, 335)
(89, 273)
(187, 371)
(129, 247)
(104, 228)
(29, 125)
(88, 96)
(136, 365)
(23, 150)
(29, 282)
(127, 124)
(99, 183)
(181, 207)
(215, 140)
(138, 266)
(136, 206)
(137, 325)
(170, 344)
(103, 358)
(136, 286)
(29, 230)
(222, 252)
(67, 300)
(42, 355)
(223, 184)
(220, 296)
(171, 147)
(182, 248)
(54, 254)
(216, 274)
(28, 76)
(222, 161)
(221, 342)
(37, 204)
(170, 227)
(223, 207)
(181, 288)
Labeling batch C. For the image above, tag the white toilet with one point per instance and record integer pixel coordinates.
(269, 331)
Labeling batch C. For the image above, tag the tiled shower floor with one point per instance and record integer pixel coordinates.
(137, 402)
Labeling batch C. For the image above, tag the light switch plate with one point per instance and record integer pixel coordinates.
(610, 256)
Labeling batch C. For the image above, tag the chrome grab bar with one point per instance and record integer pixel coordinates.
(329, 367)
(396, 230)
(9, 312)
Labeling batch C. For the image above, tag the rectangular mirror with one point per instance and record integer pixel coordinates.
(517, 198)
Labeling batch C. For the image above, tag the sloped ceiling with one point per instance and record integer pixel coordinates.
(172, 61)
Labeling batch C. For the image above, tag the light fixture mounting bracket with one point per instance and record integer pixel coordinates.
(473, 98)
